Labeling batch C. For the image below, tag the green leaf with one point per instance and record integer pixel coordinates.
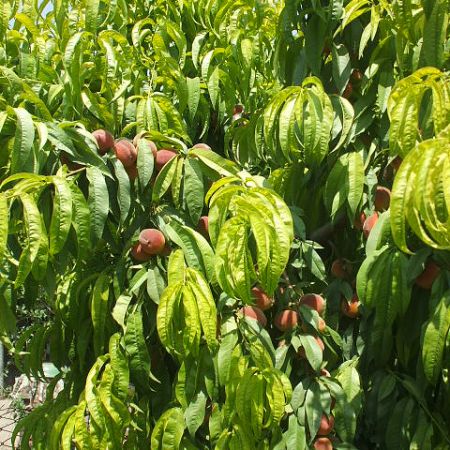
(314, 353)
(4, 225)
(355, 181)
(167, 309)
(197, 251)
(22, 158)
(342, 67)
(92, 10)
(81, 221)
(136, 348)
(33, 227)
(206, 307)
(194, 191)
(123, 190)
(61, 216)
(120, 309)
(176, 269)
(214, 161)
(99, 311)
(168, 430)
(434, 337)
(98, 201)
(145, 162)
(434, 33)
(195, 413)
(336, 187)
(164, 179)
(155, 283)
(295, 436)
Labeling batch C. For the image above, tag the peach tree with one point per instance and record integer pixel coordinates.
(236, 217)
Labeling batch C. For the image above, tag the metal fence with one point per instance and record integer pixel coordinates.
(8, 420)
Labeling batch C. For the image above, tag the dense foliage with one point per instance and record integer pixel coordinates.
(285, 285)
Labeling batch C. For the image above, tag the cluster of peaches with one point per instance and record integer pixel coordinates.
(286, 321)
(151, 241)
(382, 201)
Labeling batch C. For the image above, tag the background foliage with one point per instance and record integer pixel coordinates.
(308, 106)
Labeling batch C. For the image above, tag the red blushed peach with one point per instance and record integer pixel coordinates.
(203, 146)
(325, 373)
(356, 75)
(263, 301)
(382, 198)
(426, 279)
(396, 163)
(341, 268)
(286, 320)
(323, 443)
(203, 226)
(359, 221)
(138, 253)
(314, 301)
(126, 152)
(105, 140)
(350, 309)
(326, 425)
(348, 91)
(163, 156)
(152, 241)
(254, 312)
(369, 224)
(65, 159)
(321, 326)
(132, 172)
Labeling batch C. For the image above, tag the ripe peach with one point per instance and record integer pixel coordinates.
(126, 152)
(203, 226)
(105, 140)
(203, 146)
(132, 172)
(321, 325)
(341, 268)
(350, 309)
(396, 162)
(326, 425)
(369, 223)
(262, 300)
(359, 221)
(152, 241)
(357, 75)
(254, 313)
(138, 253)
(166, 251)
(286, 320)
(348, 91)
(325, 373)
(426, 279)
(314, 301)
(323, 443)
(65, 159)
(382, 198)
(320, 342)
(238, 109)
(163, 156)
